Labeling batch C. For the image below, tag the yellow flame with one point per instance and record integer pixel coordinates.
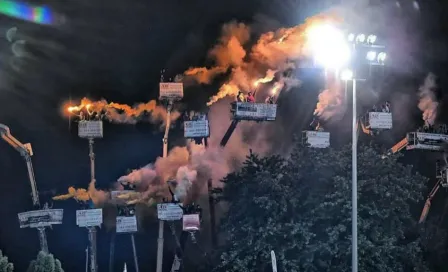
(122, 113)
(81, 195)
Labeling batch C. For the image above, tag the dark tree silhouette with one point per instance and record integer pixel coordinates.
(5, 265)
(301, 208)
(45, 263)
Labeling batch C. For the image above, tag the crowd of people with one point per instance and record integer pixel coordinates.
(383, 108)
(250, 98)
(436, 129)
(195, 117)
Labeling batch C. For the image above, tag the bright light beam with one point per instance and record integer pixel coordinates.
(328, 46)
(347, 75)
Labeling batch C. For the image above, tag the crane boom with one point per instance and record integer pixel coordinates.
(428, 202)
(167, 128)
(26, 152)
(229, 133)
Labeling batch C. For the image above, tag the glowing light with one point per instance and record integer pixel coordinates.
(371, 39)
(361, 38)
(351, 37)
(347, 74)
(371, 55)
(381, 57)
(329, 46)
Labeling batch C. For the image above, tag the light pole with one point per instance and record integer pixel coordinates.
(332, 50)
(347, 75)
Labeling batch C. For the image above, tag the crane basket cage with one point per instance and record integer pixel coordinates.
(191, 222)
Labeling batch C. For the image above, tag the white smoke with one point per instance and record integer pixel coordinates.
(428, 101)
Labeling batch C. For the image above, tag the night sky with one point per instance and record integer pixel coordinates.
(116, 49)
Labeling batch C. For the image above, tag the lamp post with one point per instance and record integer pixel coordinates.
(332, 50)
(347, 75)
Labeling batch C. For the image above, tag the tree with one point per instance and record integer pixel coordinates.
(5, 265)
(300, 207)
(45, 263)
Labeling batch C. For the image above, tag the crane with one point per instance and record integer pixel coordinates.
(249, 111)
(26, 152)
(169, 92)
(442, 181)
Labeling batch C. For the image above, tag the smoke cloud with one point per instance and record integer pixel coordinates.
(266, 67)
(428, 101)
(122, 113)
(272, 56)
(331, 103)
(82, 195)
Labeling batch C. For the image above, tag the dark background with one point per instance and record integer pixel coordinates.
(116, 49)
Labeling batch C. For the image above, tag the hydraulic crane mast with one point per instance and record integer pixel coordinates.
(92, 230)
(169, 92)
(431, 195)
(26, 152)
(160, 240)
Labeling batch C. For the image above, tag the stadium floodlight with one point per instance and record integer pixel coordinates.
(371, 56)
(347, 74)
(351, 37)
(329, 46)
(371, 39)
(381, 57)
(361, 38)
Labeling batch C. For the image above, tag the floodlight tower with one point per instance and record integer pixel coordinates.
(26, 152)
(169, 92)
(91, 130)
(332, 50)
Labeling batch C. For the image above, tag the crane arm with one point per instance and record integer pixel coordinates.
(229, 133)
(167, 128)
(431, 195)
(5, 133)
(26, 152)
(397, 147)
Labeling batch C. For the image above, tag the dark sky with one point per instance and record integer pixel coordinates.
(115, 50)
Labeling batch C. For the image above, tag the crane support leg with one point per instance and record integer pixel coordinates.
(160, 240)
(43, 240)
(229, 133)
(92, 251)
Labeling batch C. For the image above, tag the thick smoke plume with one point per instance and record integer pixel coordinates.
(183, 165)
(267, 64)
(428, 101)
(82, 195)
(122, 113)
(331, 103)
(274, 54)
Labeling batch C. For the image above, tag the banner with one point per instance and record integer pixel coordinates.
(90, 129)
(89, 218)
(41, 218)
(171, 90)
(169, 211)
(126, 224)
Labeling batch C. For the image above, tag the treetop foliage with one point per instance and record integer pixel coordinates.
(5, 265)
(45, 263)
(300, 207)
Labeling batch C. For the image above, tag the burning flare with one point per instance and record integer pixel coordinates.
(428, 102)
(331, 101)
(80, 195)
(122, 113)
